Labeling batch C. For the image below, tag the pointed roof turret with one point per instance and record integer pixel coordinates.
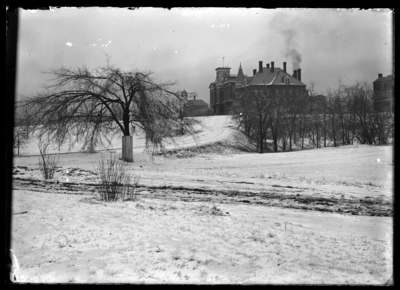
(240, 76)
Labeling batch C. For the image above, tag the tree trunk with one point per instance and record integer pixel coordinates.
(294, 133)
(343, 132)
(92, 147)
(313, 139)
(301, 133)
(261, 136)
(127, 148)
(334, 131)
(127, 140)
(258, 141)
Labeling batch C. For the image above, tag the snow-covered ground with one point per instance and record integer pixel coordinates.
(320, 216)
(212, 129)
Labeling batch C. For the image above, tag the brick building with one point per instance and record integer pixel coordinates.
(384, 93)
(193, 105)
(226, 85)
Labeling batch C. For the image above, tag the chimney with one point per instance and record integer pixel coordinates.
(254, 71)
(260, 67)
(299, 74)
(379, 75)
(267, 65)
(284, 66)
(272, 66)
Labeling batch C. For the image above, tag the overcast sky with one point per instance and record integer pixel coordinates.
(187, 45)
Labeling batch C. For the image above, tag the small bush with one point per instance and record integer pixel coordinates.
(116, 180)
(216, 210)
(47, 163)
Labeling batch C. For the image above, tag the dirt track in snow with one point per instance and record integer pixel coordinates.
(279, 196)
(353, 180)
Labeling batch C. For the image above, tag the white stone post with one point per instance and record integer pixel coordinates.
(127, 148)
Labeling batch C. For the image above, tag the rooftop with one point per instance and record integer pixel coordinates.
(273, 78)
(387, 78)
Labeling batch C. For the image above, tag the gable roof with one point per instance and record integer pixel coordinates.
(387, 78)
(197, 103)
(273, 78)
(248, 79)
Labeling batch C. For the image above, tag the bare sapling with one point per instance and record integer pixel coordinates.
(47, 162)
(117, 182)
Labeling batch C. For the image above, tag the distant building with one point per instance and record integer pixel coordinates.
(318, 101)
(193, 105)
(226, 86)
(384, 93)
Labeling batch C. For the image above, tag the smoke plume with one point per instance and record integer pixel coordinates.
(290, 47)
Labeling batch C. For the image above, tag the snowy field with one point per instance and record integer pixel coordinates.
(322, 216)
(211, 129)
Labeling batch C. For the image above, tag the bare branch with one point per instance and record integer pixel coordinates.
(93, 103)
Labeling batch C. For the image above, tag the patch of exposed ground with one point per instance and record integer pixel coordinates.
(277, 196)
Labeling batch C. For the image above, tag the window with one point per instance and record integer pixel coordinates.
(277, 92)
(290, 92)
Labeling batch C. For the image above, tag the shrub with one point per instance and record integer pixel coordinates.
(216, 210)
(116, 180)
(47, 163)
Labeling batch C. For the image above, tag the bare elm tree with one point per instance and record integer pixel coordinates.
(92, 105)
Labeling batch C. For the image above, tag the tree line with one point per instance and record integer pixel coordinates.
(344, 116)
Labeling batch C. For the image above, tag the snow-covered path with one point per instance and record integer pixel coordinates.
(214, 128)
